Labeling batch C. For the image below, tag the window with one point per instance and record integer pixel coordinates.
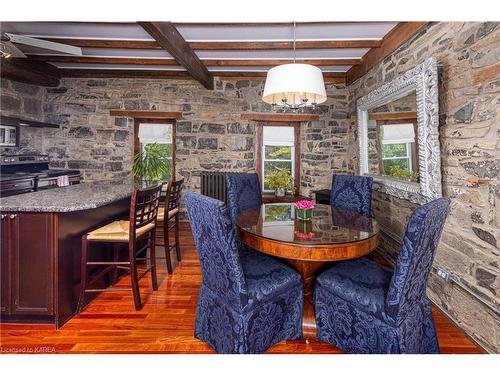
(161, 133)
(278, 151)
(396, 155)
(398, 151)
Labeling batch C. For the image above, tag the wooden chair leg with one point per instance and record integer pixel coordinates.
(83, 273)
(133, 276)
(177, 246)
(116, 253)
(166, 244)
(152, 255)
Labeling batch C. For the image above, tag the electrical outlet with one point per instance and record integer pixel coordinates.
(445, 275)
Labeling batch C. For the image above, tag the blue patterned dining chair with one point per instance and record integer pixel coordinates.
(352, 193)
(362, 307)
(243, 192)
(246, 303)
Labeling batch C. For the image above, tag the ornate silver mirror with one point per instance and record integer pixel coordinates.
(399, 137)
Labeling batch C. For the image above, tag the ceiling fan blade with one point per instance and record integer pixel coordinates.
(11, 49)
(40, 43)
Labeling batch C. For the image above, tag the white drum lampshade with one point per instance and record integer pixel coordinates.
(299, 84)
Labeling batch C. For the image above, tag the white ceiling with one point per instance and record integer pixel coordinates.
(206, 32)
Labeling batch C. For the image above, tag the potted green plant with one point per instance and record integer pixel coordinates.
(280, 180)
(151, 164)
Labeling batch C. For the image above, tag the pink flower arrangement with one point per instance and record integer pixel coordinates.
(304, 236)
(304, 204)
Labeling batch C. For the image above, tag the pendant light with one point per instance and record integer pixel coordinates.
(293, 87)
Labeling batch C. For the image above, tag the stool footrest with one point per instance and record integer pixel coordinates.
(108, 290)
(107, 263)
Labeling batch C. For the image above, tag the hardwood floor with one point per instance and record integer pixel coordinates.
(110, 323)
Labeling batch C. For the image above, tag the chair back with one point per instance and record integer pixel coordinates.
(215, 240)
(243, 192)
(353, 193)
(414, 262)
(173, 196)
(144, 207)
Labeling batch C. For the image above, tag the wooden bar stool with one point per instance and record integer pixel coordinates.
(141, 225)
(171, 209)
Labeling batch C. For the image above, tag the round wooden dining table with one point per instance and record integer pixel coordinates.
(331, 235)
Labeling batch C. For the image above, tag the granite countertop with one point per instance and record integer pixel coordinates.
(79, 197)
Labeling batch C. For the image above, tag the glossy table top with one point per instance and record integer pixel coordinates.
(328, 226)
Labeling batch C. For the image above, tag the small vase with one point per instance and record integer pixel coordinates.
(303, 213)
(279, 192)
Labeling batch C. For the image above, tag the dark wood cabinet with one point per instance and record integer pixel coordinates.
(28, 254)
(5, 289)
(40, 261)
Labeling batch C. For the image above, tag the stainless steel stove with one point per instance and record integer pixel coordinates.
(25, 173)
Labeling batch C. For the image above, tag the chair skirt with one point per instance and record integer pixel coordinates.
(255, 328)
(355, 331)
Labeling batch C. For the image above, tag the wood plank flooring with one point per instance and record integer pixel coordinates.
(110, 323)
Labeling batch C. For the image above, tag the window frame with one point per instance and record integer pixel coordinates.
(296, 152)
(408, 156)
(153, 121)
(412, 153)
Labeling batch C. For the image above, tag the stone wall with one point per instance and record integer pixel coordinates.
(24, 101)
(469, 100)
(211, 136)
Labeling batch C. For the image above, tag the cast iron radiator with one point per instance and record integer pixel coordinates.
(213, 185)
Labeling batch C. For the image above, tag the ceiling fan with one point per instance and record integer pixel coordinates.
(8, 48)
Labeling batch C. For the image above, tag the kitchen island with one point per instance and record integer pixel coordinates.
(41, 246)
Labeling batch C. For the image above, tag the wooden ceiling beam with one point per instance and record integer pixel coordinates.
(222, 45)
(124, 73)
(173, 62)
(172, 41)
(391, 41)
(104, 60)
(329, 77)
(273, 45)
(32, 72)
(274, 62)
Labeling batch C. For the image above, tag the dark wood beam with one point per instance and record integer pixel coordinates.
(270, 45)
(274, 62)
(119, 73)
(222, 46)
(329, 78)
(281, 117)
(172, 62)
(172, 41)
(147, 114)
(392, 41)
(103, 60)
(108, 43)
(32, 72)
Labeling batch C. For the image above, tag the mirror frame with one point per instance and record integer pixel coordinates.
(423, 79)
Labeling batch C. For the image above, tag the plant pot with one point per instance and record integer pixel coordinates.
(304, 214)
(279, 193)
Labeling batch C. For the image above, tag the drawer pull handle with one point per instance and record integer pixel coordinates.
(12, 216)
